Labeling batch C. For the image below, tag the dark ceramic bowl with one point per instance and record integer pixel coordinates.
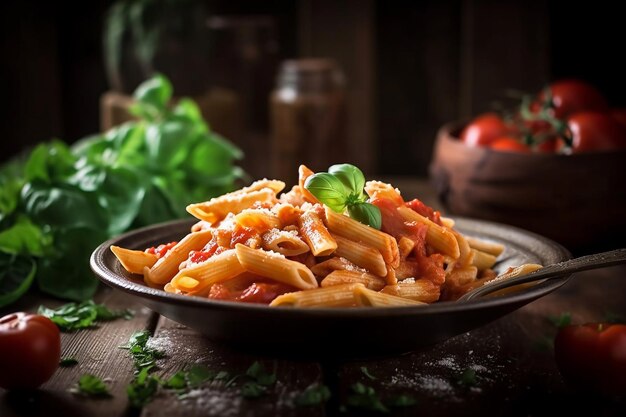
(577, 200)
(355, 332)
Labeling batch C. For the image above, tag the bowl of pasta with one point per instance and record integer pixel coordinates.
(335, 265)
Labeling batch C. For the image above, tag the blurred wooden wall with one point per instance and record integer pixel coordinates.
(411, 66)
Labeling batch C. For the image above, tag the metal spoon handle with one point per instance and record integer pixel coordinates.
(583, 263)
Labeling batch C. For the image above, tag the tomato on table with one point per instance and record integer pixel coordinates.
(509, 144)
(593, 131)
(484, 129)
(570, 96)
(593, 356)
(30, 350)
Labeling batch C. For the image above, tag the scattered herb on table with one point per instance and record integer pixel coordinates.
(143, 355)
(313, 395)
(89, 384)
(260, 381)
(59, 202)
(401, 401)
(365, 397)
(74, 316)
(142, 388)
(562, 320)
(341, 188)
(367, 373)
(68, 362)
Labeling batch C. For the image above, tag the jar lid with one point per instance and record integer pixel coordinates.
(310, 74)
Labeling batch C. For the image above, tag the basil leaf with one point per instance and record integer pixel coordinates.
(328, 189)
(152, 97)
(16, 276)
(25, 237)
(366, 213)
(351, 177)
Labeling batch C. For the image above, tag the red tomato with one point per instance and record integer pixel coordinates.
(571, 96)
(593, 356)
(592, 131)
(508, 144)
(30, 350)
(484, 129)
(161, 250)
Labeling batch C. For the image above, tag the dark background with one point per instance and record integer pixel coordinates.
(411, 66)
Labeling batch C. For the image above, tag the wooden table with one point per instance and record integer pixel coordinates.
(512, 359)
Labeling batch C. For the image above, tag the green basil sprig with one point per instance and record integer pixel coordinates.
(341, 189)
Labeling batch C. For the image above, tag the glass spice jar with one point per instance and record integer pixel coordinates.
(307, 117)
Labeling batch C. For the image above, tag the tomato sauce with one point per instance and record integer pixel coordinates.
(424, 210)
(161, 250)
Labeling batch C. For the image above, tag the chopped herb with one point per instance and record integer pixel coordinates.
(67, 362)
(401, 401)
(315, 394)
(252, 389)
(91, 385)
(222, 376)
(257, 372)
(365, 398)
(367, 373)
(198, 375)
(143, 355)
(176, 381)
(142, 389)
(74, 316)
(231, 381)
(467, 378)
(562, 320)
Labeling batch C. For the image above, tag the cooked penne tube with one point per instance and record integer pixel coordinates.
(166, 267)
(303, 173)
(315, 234)
(483, 260)
(335, 296)
(437, 236)
(358, 232)
(379, 189)
(334, 264)
(218, 208)
(405, 246)
(284, 242)
(466, 256)
(361, 255)
(371, 298)
(275, 185)
(198, 278)
(260, 220)
(422, 290)
(339, 277)
(462, 275)
(491, 248)
(134, 261)
(275, 266)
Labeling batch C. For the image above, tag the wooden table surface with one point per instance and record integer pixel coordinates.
(512, 359)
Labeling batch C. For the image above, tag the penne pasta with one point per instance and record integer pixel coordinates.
(315, 234)
(358, 232)
(275, 266)
(166, 267)
(286, 243)
(361, 255)
(335, 296)
(134, 261)
(290, 249)
(343, 276)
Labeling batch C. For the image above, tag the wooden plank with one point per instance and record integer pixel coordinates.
(512, 359)
(184, 346)
(97, 351)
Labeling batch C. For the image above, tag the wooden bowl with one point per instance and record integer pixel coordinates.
(576, 200)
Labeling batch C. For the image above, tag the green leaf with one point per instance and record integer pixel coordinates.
(142, 389)
(365, 398)
(350, 176)
(68, 362)
(198, 375)
(177, 381)
(143, 355)
(401, 401)
(468, 378)
(315, 394)
(328, 189)
(366, 213)
(16, 276)
(562, 320)
(257, 372)
(152, 97)
(91, 385)
(25, 238)
(74, 316)
(253, 390)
